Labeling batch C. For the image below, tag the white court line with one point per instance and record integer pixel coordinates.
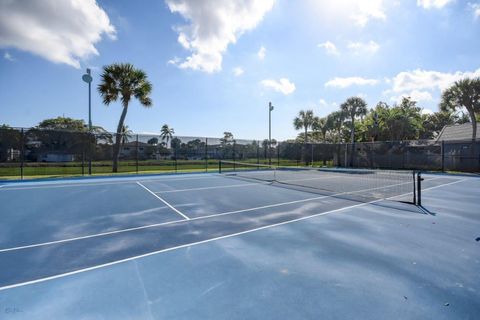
(21, 284)
(174, 248)
(165, 202)
(189, 219)
(90, 183)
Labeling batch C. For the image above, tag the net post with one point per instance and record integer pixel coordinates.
(419, 189)
(414, 187)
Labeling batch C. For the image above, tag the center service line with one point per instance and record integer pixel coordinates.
(159, 198)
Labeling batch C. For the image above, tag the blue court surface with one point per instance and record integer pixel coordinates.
(209, 246)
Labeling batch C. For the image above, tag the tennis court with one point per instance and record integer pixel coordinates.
(248, 243)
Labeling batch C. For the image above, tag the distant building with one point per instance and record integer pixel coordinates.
(56, 157)
(458, 132)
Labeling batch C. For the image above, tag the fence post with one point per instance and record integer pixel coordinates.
(311, 147)
(22, 156)
(442, 154)
(346, 154)
(258, 152)
(278, 155)
(206, 154)
(136, 154)
(175, 156)
(94, 140)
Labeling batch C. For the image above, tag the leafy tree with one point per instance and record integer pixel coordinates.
(352, 108)
(123, 81)
(153, 141)
(463, 94)
(434, 123)
(166, 133)
(63, 123)
(227, 139)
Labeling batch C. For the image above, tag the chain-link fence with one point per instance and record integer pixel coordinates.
(32, 153)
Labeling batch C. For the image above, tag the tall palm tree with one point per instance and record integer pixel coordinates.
(463, 93)
(123, 81)
(352, 108)
(166, 133)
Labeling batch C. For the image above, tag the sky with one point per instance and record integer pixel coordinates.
(215, 65)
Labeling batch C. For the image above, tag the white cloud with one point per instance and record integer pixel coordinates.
(428, 80)
(283, 85)
(370, 47)
(437, 4)
(322, 103)
(59, 31)
(364, 11)
(212, 26)
(475, 8)
(8, 56)
(349, 81)
(329, 47)
(415, 95)
(261, 53)
(238, 71)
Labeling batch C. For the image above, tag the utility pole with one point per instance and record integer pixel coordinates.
(87, 77)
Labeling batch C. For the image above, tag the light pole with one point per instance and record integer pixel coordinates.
(270, 109)
(88, 79)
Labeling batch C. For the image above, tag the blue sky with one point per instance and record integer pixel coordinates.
(215, 65)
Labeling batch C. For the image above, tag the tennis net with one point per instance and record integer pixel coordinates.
(354, 184)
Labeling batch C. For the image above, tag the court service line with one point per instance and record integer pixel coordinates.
(183, 220)
(215, 187)
(62, 275)
(165, 202)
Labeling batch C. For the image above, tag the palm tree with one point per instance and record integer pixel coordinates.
(352, 108)
(126, 134)
(320, 125)
(335, 122)
(463, 93)
(123, 81)
(166, 133)
(304, 120)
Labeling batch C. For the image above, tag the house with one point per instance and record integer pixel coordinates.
(458, 132)
(459, 151)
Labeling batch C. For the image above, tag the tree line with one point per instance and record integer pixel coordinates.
(355, 122)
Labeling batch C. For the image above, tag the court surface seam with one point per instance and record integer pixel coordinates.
(190, 219)
(201, 242)
(165, 202)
